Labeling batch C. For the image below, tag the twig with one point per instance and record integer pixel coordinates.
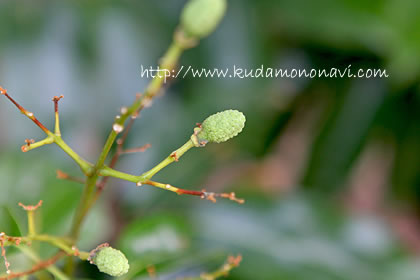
(231, 263)
(85, 166)
(24, 111)
(136, 150)
(57, 118)
(37, 267)
(203, 194)
(30, 210)
(30, 207)
(174, 156)
(3, 252)
(119, 152)
(223, 271)
(168, 61)
(64, 176)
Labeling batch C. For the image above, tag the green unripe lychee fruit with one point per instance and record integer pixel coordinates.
(200, 17)
(222, 126)
(111, 261)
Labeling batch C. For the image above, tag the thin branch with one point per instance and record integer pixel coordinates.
(202, 194)
(57, 117)
(223, 271)
(3, 253)
(61, 243)
(30, 210)
(168, 61)
(174, 156)
(85, 166)
(37, 267)
(30, 207)
(31, 144)
(30, 115)
(119, 152)
(136, 150)
(64, 176)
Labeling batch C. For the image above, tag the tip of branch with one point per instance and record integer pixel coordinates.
(25, 147)
(235, 261)
(61, 174)
(31, 207)
(3, 91)
(57, 98)
(212, 196)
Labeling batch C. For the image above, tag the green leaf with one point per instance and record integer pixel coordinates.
(344, 135)
(8, 223)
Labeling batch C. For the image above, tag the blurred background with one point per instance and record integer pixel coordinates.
(329, 168)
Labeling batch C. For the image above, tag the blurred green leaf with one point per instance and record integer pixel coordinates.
(153, 240)
(343, 135)
(8, 223)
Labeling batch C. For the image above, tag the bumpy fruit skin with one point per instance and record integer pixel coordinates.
(222, 126)
(200, 17)
(111, 261)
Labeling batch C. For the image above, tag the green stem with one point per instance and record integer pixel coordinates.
(85, 166)
(55, 241)
(168, 61)
(57, 124)
(174, 156)
(109, 172)
(31, 223)
(60, 242)
(46, 141)
(83, 207)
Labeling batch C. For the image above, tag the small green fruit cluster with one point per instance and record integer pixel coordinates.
(221, 126)
(111, 261)
(200, 17)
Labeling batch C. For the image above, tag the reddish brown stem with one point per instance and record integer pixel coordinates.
(136, 150)
(203, 194)
(64, 176)
(30, 207)
(189, 192)
(55, 100)
(24, 111)
(3, 253)
(39, 266)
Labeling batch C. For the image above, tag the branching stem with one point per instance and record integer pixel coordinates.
(100, 169)
(61, 243)
(168, 61)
